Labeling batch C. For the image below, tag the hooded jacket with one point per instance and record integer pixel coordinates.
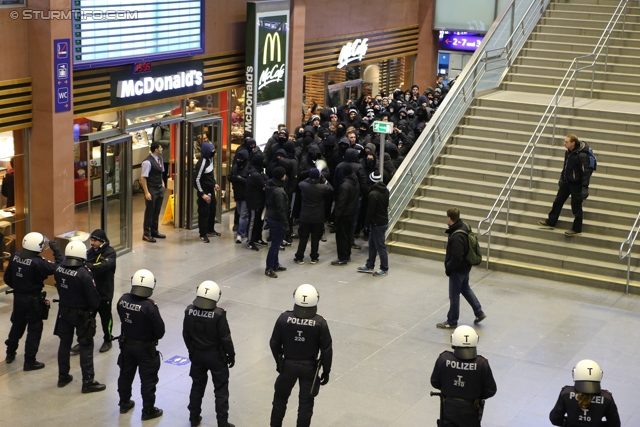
(351, 157)
(347, 198)
(277, 202)
(576, 168)
(255, 184)
(314, 193)
(204, 180)
(457, 247)
(309, 161)
(102, 262)
(377, 205)
(238, 176)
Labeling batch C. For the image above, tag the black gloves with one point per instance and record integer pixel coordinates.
(324, 379)
(54, 246)
(231, 361)
(585, 193)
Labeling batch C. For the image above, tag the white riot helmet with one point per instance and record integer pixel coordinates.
(306, 301)
(143, 283)
(464, 341)
(74, 254)
(207, 295)
(587, 376)
(35, 242)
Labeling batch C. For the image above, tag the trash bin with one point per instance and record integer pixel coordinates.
(75, 235)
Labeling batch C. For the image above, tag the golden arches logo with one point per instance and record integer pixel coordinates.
(271, 43)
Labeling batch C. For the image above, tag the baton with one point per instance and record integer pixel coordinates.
(315, 377)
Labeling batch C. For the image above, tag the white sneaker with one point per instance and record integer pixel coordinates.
(238, 239)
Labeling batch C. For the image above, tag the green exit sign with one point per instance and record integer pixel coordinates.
(383, 127)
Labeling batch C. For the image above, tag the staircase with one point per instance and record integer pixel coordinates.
(477, 160)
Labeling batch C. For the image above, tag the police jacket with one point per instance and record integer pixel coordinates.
(27, 275)
(601, 406)
(314, 193)
(457, 247)
(102, 262)
(301, 339)
(464, 379)
(347, 198)
(255, 187)
(207, 330)
(377, 205)
(76, 288)
(576, 168)
(277, 201)
(140, 317)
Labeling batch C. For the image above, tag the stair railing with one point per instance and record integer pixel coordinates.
(604, 42)
(528, 154)
(631, 240)
(483, 72)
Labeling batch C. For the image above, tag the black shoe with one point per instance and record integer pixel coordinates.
(106, 346)
(64, 380)
(480, 318)
(261, 243)
(204, 239)
(280, 268)
(253, 247)
(32, 366)
(195, 421)
(354, 246)
(339, 262)
(235, 228)
(158, 235)
(445, 325)
(10, 357)
(298, 261)
(148, 238)
(282, 248)
(75, 350)
(543, 222)
(127, 406)
(285, 243)
(151, 413)
(271, 273)
(294, 236)
(226, 425)
(213, 233)
(91, 386)
(313, 261)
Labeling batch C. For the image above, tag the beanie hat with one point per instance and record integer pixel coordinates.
(314, 173)
(99, 234)
(375, 177)
(248, 134)
(279, 172)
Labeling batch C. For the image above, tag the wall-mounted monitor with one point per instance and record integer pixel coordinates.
(465, 15)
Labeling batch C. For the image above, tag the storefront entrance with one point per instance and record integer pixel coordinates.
(196, 132)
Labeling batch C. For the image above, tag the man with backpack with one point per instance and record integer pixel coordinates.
(457, 265)
(579, 164)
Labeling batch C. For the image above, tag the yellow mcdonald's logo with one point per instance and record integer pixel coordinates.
(271, 43)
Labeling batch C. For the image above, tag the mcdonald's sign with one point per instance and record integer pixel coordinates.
(272, 44)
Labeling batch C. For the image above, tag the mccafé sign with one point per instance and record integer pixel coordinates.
(353, 51)
(163, 81)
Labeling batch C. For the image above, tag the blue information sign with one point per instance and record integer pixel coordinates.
(61, 75)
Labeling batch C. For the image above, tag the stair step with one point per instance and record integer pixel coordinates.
(610, 95)
(559, 73)
(583, 83)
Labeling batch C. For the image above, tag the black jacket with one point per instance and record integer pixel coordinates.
(468, 379)
(457, 247)
(102, 262)
(576, 166)
(207, 330)
(204, 179)
(255, 184)
(314, 193)
(238, 176)
(140, 318)
(602, 405)
(76, 288)
(351, 157)
(27, 275)
(277, 201)
(377, 205)
(347, 198)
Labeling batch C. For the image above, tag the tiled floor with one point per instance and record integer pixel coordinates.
(385, 341)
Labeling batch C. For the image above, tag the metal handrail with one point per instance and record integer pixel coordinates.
(529, 151)
(631, 240)
(472, 80)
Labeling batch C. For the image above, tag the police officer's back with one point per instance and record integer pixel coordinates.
(585, 404)
(465, 379)
(142, 327)
(25, 274)
(78, 300)
(208, 338)
(297, 337)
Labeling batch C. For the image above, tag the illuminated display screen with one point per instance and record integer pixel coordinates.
(460, 40)
(116, 32)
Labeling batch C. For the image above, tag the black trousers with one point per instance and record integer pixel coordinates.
(26, 315)
(206, 215)
(66, 325)
(152, 210)
(297, 204)
(134, 357)
(254, 229)
(106, 319)
(344, 235)
(293, 371)
(564, 191)
(304, 231)
(459, 414)
(202, 362)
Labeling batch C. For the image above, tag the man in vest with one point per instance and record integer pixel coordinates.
(151, 181)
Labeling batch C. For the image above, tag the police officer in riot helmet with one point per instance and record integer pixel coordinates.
(465, 379)
(142, 327)
(297, 337)
(208, 338)
(25, 274)
(78, 301)
(585, 403)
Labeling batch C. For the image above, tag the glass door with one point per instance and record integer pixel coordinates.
(197, 132)
(116, 186)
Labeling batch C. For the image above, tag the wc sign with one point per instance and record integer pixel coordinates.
(61, 77)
